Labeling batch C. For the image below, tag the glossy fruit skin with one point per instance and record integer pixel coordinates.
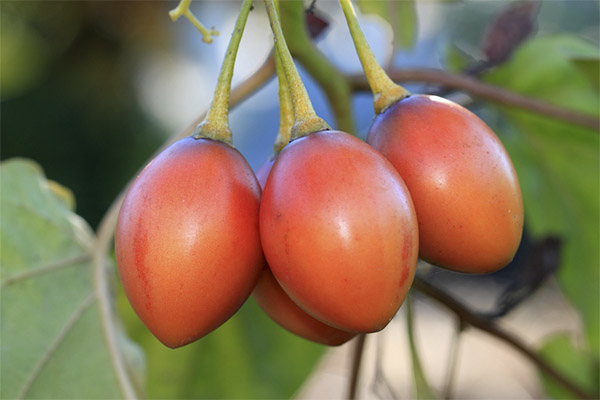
(339, 231)
(461, 179)
(271, 297)
(187, 242)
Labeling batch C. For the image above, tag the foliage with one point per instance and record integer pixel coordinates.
(52, 327)
(55, 327)
(557, 161)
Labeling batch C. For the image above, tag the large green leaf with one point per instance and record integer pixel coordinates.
(401, 15)
(53, 330)
(558, 162)
(248, 357)
(575, 363)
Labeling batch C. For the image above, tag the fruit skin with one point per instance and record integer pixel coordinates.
(339, 231)
(187, 242)
(461, 179)
(277, 304)
(271, 297)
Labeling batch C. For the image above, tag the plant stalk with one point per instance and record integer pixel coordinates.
(385, 91)
(302, 47)
(306, 120)
(183, 8)
(216, 123)
(286, 108)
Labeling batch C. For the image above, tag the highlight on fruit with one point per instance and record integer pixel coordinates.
(326, 236)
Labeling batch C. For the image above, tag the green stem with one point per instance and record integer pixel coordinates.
(216, 123)
(385, 91)
(286, 109)
(306, 120)
(183, 8)
(422, 387)
(334, 83)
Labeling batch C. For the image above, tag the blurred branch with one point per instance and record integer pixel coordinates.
(422, 388)
(356, 361)
(453, 360)
(484, 91)
(470, 318)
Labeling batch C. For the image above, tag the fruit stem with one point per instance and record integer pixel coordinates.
(216, 123)
(385, 91)
(305, 119)
(286, 109)
(183, 8)
(332, 81)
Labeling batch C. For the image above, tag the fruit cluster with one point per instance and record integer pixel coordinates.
(330, 247)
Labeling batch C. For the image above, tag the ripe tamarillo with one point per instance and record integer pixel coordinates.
(271, 297)
(462, 182)
(339, 231)
(187, 241)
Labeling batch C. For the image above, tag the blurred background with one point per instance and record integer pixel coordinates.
(91, 89)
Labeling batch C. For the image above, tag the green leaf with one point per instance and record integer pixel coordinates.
(53, 340)
(456, 59)
(401, 15)
(249, 356)
(580, 366)
(590, 66)
(558, 162)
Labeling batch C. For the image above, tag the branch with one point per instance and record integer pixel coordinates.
(484, 91)
(469, 317)
(356, 362)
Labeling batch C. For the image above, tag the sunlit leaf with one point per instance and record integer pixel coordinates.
(53, 340)
(558, 162)
(580, 366)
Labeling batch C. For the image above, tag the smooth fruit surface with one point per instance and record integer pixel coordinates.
(187, 243)
(273, 300)
(463, 184)
(277, 304)
(339, 231)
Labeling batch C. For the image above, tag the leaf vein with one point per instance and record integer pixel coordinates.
(45, 268)
(76, 316)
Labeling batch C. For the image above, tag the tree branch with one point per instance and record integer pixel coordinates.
(484, 91)
(356, 362)
(467, 316)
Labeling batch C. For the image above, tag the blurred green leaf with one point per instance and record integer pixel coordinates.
(401, 15)
(23, 56)
(580, 366)
(249, 356)
(456, 59)
(591, 67)
(32, 35)
(53, 343)
(558, 162)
